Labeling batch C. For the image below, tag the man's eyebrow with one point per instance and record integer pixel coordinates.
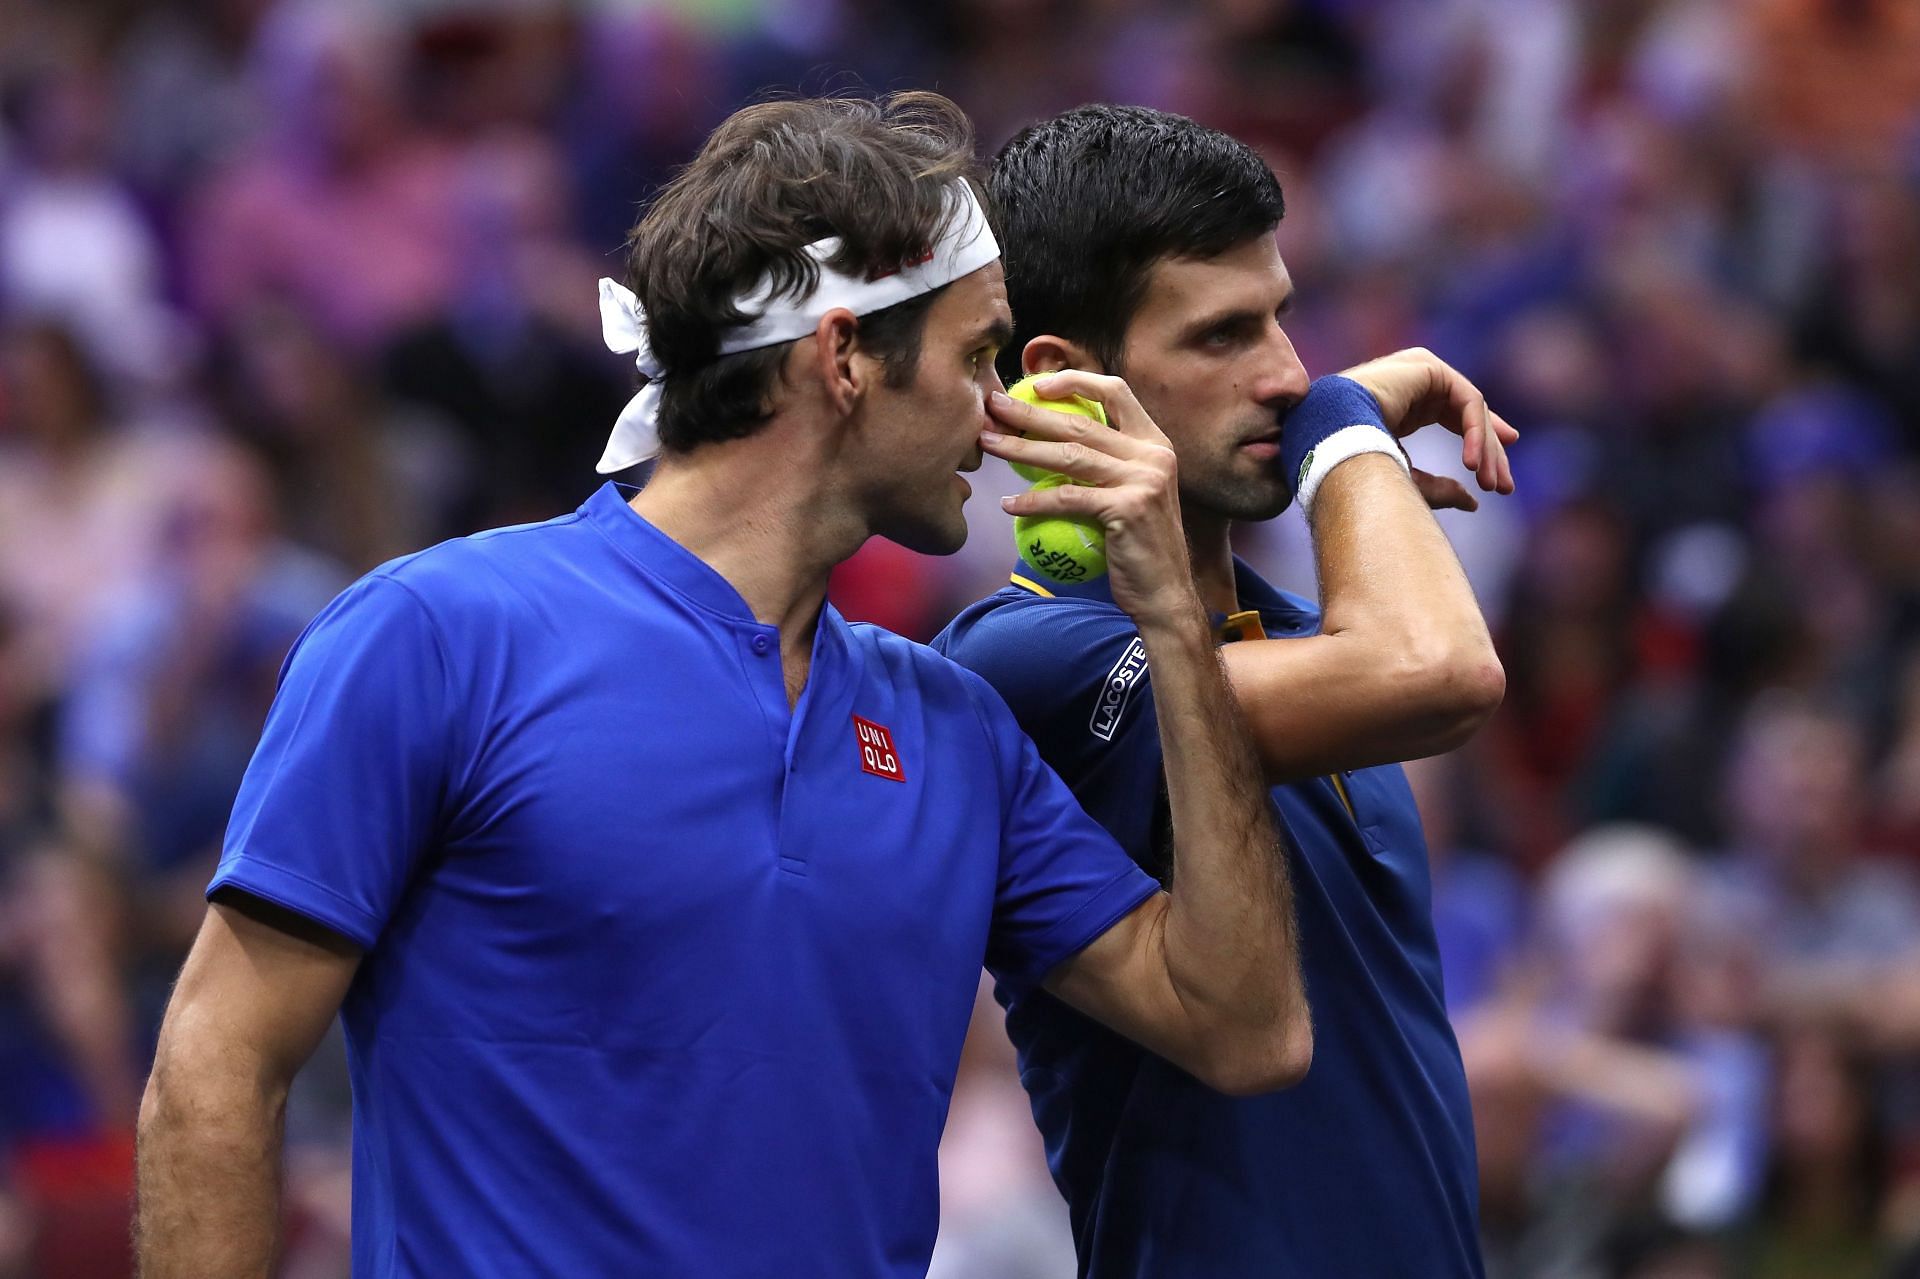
(998, 333)
(1222, 319)
(1237, 315)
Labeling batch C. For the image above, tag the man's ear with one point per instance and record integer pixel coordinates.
(1049, 354)
(837, 361)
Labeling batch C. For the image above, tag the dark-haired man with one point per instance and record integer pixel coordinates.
(653, 894)
(1141, 244)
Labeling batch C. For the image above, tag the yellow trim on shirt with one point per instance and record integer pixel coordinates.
(1340, 789)
(1031, 585)
(1244, 625)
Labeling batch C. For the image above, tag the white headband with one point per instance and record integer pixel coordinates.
(966, 246)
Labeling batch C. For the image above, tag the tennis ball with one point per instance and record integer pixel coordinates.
(1061, 549)
(1080, 404)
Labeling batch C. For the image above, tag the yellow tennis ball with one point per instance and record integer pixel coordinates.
(1079, 404)
(1061, 549)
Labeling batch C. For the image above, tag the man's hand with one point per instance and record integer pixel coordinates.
(1443, 492)
(1130, 484)
(1415, 387)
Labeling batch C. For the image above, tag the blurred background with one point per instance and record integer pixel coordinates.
(289, 288)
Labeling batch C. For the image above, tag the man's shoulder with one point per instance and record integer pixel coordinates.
(926, 666)
(482, 569)
(893, 650)
(1013, 623)
(1048, 657)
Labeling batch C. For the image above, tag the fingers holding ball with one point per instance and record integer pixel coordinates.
(1079, 405)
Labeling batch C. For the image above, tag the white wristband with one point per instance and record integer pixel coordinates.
(1347, 442)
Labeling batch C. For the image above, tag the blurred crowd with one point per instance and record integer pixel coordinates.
(290, 287)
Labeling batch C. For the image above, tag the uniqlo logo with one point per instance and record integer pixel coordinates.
(877, 755)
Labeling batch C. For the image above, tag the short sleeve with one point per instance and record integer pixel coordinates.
(347, 786)
(1063, 880)
(1075, 675)
(1051, 660)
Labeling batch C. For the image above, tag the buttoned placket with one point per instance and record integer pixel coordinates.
(787, 725)
(828, 690)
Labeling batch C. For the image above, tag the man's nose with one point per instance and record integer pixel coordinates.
(1284, 379)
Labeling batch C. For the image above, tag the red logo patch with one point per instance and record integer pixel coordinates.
(877, 755)
(924, 258)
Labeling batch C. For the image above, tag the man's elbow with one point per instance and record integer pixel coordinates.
(203, 1079)
(1459, 687)
(1267, 1063)
(1479, 684)
(172, 1096)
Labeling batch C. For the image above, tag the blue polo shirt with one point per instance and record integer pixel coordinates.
(1365, 1168)
(661, 976)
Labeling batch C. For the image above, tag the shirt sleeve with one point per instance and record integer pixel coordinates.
(1063, 881)
(1076, 679)
(347, 786)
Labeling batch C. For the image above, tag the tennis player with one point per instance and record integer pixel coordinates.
(652, 893)
(1139, 243)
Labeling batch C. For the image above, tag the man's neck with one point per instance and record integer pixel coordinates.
(1210, 548)
(759, 520)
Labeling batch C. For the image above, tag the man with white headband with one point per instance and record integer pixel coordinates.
(652, 893)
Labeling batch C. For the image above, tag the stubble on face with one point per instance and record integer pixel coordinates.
(1209, 364)
(1233, 487)
(929, 428)
(1217, 478)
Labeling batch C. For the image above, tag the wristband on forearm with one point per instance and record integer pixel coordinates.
(1337, 419)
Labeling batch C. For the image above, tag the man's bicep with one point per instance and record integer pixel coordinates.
(1076, 681)
(263, 981)
(1062, 880)
(1323, 704)
(1120, 980)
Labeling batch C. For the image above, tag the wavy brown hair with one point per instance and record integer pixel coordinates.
(771, 180)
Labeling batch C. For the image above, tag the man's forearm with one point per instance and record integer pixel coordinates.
(1231, 945)
(1391, 583)
(1403, 666)
(208, 1172)
(1385, 567)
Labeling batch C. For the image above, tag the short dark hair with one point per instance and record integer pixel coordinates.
(1089, 200)
(772, 179)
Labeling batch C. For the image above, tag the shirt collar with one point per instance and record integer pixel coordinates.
(1030, 579)
(660, 556)
(1276, 610)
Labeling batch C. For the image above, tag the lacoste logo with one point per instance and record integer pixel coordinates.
(1117, 689)
(877, 755)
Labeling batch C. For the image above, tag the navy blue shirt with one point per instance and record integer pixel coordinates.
(662, 977)
(1366, 1168)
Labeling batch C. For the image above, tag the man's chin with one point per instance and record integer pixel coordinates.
(929, 539)
(1244, 500)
